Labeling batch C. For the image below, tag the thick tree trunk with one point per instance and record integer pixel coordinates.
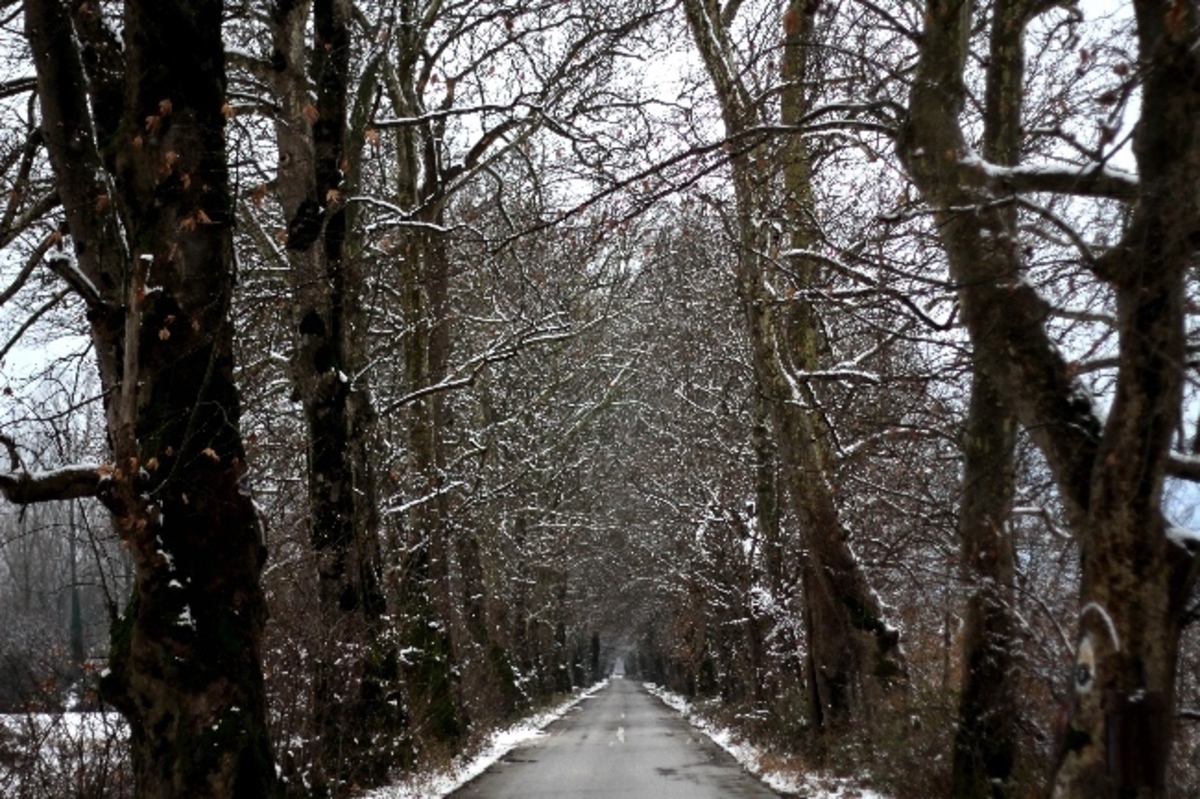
(985, 742)
(850, 648)
(154, 247)
(426, 600)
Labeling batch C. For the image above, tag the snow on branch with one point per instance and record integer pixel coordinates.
(1088, 181)
(22, 487)
(445, 113)
(1184, 538)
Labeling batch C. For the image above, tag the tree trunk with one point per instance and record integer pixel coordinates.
(985, 742)
(426, 600)
(355, 705)
(154, 248)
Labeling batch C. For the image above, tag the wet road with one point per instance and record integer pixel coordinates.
(621, 742)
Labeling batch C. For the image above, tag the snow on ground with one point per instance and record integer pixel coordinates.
(49, 754)
(438, 784)
(72, 725)
(809, 785)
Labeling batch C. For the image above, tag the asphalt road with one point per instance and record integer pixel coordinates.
(620, 742)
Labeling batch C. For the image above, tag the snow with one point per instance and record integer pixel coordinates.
(435, 785)
(1185, 538)
(165, 555)
(46, 749)
(68, 263)
(810, 785)
(974, 160)
(71, 468)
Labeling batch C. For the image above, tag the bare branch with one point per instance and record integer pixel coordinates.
(32, 320)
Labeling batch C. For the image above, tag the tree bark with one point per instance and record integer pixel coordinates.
(985, 742)
(152, 238)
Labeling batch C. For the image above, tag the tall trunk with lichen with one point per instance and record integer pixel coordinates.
(136, 141)
(985, 740)
(424, 598)
(1110, 474)
(422, 280)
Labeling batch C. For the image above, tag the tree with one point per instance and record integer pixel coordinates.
(985, 741)
(850, 646)
(1137, 575)
(135, 137)
(322, 113)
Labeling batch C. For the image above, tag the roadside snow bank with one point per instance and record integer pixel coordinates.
(811, 786)
(435, 785)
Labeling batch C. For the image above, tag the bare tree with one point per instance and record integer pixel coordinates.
(850, 646)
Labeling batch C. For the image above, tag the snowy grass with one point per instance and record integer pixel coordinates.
(784, 780)
(437, 784)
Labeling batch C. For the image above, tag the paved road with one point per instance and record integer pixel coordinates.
(621, 742)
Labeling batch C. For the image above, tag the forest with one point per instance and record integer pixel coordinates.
(373, 372)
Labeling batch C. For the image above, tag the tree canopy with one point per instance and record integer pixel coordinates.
(375, 370)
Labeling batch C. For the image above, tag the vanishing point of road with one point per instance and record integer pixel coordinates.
(621, 742)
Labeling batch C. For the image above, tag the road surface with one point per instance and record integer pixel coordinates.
(621, 742)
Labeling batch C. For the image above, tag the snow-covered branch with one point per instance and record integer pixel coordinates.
(1087, 181)
(22, 487)
(1183, 466)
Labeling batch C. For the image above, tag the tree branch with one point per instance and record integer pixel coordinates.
(1184, 467)
(26, 488)
(72, 482)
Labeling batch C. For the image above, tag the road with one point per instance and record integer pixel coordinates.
(620, 742)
